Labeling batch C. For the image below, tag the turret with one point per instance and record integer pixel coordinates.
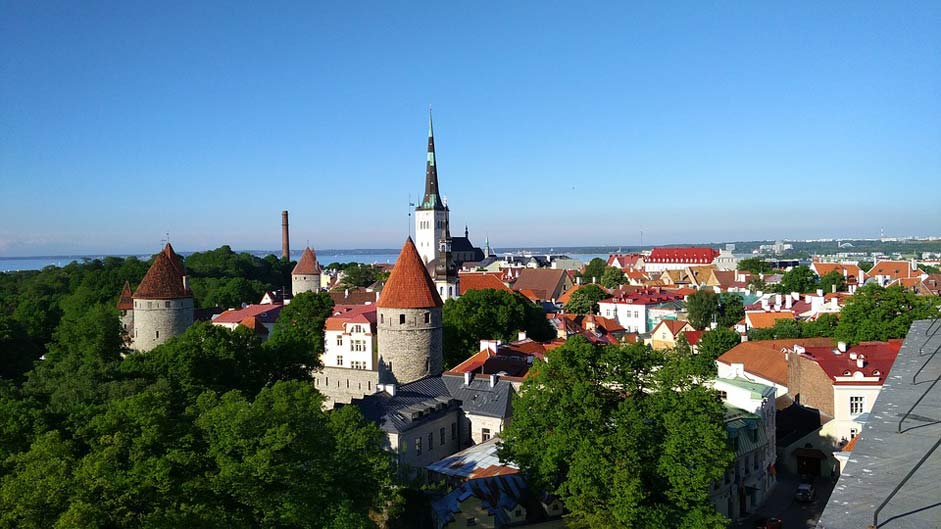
(126, 310)
(162, 303)
(306, 275)
(410, 331)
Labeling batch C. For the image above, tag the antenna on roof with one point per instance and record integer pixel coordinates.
(411, 205)
(166, 240)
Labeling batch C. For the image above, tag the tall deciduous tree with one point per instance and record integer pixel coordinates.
(488, 314)
(585, 299)
(593, 270)
(731, 309)
(798, 279)
(714, 343)
(877, 313)
(625, 436)
(833, 279)
(300, 324)
(755, 265)
(702, 306)
(612, 277)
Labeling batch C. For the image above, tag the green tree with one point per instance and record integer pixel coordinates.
(716, 342)
(625, 436)
(300, 324)
(798, 279)
(612, 277)
(824, 325)
(17, 349)
(593, 270)
(37, 484)
(702, 307)
(755, 265)
(360, 275)
(833, 279)
(488, 314)
(585, 299)
(731, 309)
(877, 313)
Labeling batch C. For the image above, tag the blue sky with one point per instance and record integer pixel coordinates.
(556, 123)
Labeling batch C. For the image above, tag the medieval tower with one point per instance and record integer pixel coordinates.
(306, 274)
(410, 331)
(126, 308)
(431, 215)
(162, 303)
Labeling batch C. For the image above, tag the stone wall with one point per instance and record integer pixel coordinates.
(305, 283)
(409, 350)
(341, 385)
(809, 385)
(478, 422)
(158, 320)
(127, 322)
(406, 441)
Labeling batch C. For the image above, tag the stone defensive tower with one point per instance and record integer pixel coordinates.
(162, 303)
(306, 274)
(126, 309)
(409, 326)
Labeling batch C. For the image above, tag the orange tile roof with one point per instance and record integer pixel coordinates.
(480, 281)
(823, 269)
(164, 279)
(252, 323)
(307, 264)
(893, 269)
(765, 358)
(409, 286)
(766, 320)
(126, 301)
(675, 326)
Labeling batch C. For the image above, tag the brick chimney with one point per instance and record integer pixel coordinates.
(285, 239)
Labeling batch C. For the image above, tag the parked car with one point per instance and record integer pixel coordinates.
(769, 523)
(805, 492)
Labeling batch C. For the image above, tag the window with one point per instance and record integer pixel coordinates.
(166, 304)
(723, 395)
(853, 433)
(382, 318)
(485, 434)
(340, 360)
(401, 319)
(340, 340)
(156, 334)
(427, 317)
(453, 431)
(441, 431)
(856, 405)
(636, 314)
(418, 446)
(431, 440)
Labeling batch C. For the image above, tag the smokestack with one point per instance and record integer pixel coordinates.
(285, 239)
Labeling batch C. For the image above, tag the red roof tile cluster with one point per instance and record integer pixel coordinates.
(307, 265)
(851, 271)
(674, 326)
(682, 255)
(624, 261)
(344, 314)
(877, 359)
(126, 301)
(267, 313)
(692, 337)
(254, 324)
(481, 281)
(766, 320)
(766, 358)
(893, 269)
(513, 359)
(164, 279)
(409, 285)
(644, 296)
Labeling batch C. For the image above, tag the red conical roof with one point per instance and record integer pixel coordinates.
(126, 301)
(307, 265)
(409, 286)
(164, 280)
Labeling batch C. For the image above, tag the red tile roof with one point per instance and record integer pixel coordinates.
(164, 279)
(893, 269)
(766, 320)
(365, 314)
(682, 255)
(126, 301)
(409, 285)
(878, 358)
(267, 313)
(644, 296)
(851, 270)
(765, 358)
(355, 296)
(254, 324)
(307, 264)
(692, 337)
(674, 326)
(480, 281)
(545, 283)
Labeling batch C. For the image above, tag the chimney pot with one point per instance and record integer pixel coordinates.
(493, 380)
(468, 376)
(841, 346)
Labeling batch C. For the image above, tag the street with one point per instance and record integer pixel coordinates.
(781, 504)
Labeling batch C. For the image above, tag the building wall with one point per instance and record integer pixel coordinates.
(405, 442)
(631, 317)
(411, 350)
(127, 322)
(846, 424)
(158, 320)
(426, 238)
(448, 290)
(341, 385)
(333, 348)
(305, 283)
(478, 422)
(809, 385)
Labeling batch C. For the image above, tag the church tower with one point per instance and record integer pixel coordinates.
(162, 303)
(444, 271)
(431, 215)
(306, 274)
(410, 329)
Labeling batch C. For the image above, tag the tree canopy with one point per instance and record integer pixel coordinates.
(755, 265)
(489, 314)
(878, 313)
(627, 437)
(715, 342)
(593, 270)
(798, 279)
(612, 277)
(703, 307)
(585, 299)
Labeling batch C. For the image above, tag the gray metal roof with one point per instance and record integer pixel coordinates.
(479, 398)
(883, 457)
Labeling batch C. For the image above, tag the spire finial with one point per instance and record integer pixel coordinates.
(431, 132)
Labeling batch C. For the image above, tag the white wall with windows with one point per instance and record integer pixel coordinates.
(354, 347)
(631, 317)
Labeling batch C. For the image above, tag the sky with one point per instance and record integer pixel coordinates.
(556, 123)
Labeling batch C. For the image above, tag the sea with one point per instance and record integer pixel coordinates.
(13, 264)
